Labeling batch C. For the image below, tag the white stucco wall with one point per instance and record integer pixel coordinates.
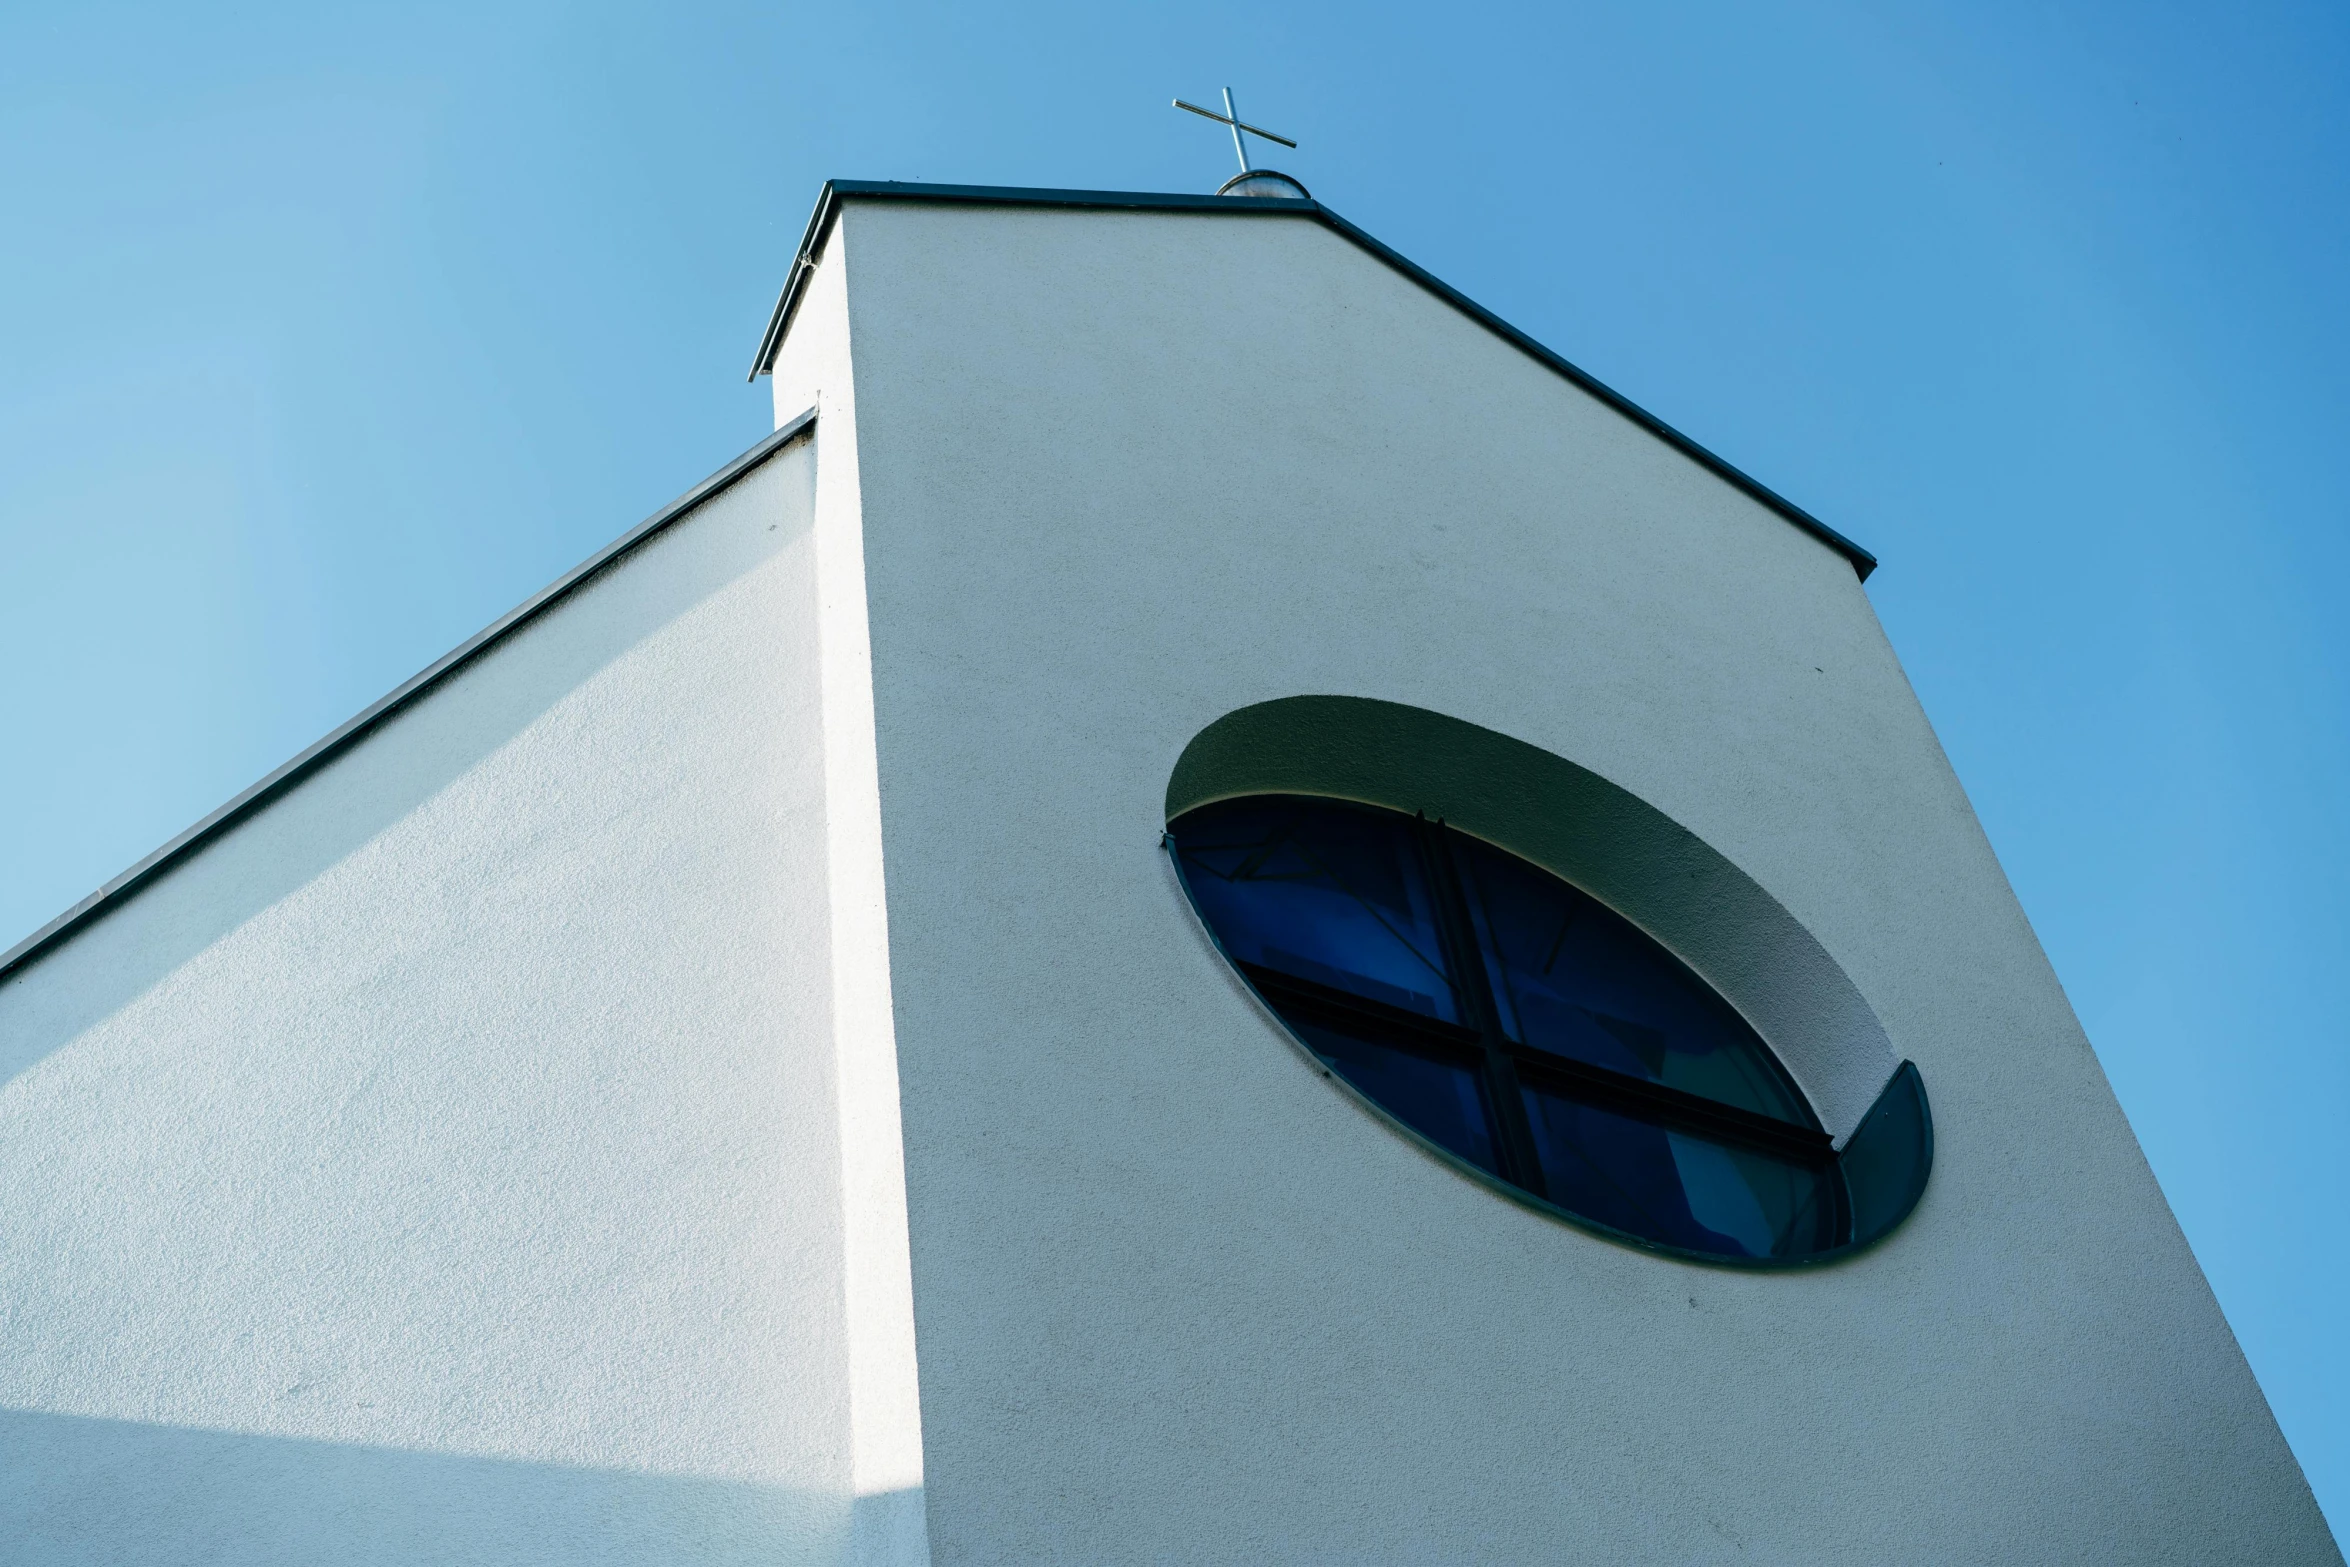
(444, 1165)
(1179, 1299)
(888, 1526)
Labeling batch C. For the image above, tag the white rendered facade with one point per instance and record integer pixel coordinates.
(445, 1163)
(728, 1075)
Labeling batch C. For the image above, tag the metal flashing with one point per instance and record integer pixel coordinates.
(835, 192)
(253, 800)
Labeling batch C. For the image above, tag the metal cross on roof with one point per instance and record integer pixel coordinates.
(1231, 117)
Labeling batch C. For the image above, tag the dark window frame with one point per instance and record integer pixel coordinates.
(1507, 1068)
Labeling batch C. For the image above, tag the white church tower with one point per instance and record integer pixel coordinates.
(1215, 912)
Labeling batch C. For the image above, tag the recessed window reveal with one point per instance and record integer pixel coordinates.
(1534, 1035)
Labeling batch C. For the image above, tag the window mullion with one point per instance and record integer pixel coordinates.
(1694, 1112)
(1513, 1133)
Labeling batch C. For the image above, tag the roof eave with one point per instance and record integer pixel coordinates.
(256, 799)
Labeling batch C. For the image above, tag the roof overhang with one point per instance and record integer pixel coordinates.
(837, 192)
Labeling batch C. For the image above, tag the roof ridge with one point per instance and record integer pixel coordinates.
(835, 192)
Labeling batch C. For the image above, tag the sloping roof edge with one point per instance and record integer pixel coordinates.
(120, 890)
(835, 192)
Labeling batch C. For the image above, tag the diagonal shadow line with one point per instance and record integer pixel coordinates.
(77, 1489)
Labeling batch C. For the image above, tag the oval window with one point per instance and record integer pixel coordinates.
(1532, 1033)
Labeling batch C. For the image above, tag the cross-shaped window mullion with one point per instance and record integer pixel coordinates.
(1513, 1132)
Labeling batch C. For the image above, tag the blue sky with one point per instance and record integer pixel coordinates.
(327, 333)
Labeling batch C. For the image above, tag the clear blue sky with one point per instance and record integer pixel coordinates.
(328, 332)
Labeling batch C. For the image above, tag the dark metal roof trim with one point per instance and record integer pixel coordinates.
(120, 890)
(828, 204)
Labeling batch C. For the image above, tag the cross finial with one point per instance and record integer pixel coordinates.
(1231, 117)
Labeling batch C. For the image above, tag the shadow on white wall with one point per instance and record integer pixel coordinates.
(76, 1490)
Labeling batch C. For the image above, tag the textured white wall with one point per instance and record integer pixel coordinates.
(444, 1166)
(885, 1414)
(1179, 1299)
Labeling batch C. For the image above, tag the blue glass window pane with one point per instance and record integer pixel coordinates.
(1572, 977)
(1324, 892)
(1367, 902)
(1679, 1188)
(1442, 1101)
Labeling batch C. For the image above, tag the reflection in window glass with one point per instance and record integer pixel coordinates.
(1443, 1100)
(1337, 897)
(1686, 1190)
(1573, 977)
(1528, 1030)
